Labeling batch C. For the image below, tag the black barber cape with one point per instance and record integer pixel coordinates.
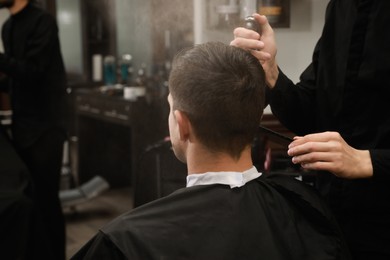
(269, 218)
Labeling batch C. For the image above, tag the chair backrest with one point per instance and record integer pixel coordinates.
(158, 174)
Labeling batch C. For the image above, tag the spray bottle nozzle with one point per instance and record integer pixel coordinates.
(252, 24)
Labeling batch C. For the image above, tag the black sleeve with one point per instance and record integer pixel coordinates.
(294, 104)
(3, 82)
(99, 247)
(380, 163)
(39, 51)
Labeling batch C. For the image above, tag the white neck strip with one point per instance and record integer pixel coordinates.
(233, 179)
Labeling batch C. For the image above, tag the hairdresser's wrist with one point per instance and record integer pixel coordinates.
(272, 75)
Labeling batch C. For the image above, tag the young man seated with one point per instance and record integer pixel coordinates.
(228, 209)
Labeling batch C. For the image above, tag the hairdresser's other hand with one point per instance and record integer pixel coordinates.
(328, 151)
(263, 47)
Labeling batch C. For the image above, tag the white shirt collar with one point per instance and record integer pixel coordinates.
(233, 179)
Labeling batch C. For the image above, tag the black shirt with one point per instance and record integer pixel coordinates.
(346, 89)
(36, 74)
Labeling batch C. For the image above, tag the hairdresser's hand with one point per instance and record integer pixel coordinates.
(329, 152)
(263, 47)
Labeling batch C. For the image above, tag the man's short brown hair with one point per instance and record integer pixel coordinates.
(221, 90)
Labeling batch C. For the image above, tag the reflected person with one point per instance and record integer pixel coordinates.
(34, 76)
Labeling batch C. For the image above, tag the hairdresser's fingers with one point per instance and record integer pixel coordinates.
(262, 56)
(247, 44)
(241, 32)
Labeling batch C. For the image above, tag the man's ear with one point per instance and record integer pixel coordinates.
(184, 125)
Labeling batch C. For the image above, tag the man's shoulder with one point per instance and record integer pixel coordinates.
(178, 207)
(275, 208)
(147, 227)
(183, 200)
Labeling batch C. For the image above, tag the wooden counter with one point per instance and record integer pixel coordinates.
(112, 133)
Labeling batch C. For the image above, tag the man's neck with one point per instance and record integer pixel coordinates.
(201, 162)
(18, 6)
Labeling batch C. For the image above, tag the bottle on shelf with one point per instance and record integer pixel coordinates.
(109, 68)
(126, 69)
(141, 79)
(139, 83)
